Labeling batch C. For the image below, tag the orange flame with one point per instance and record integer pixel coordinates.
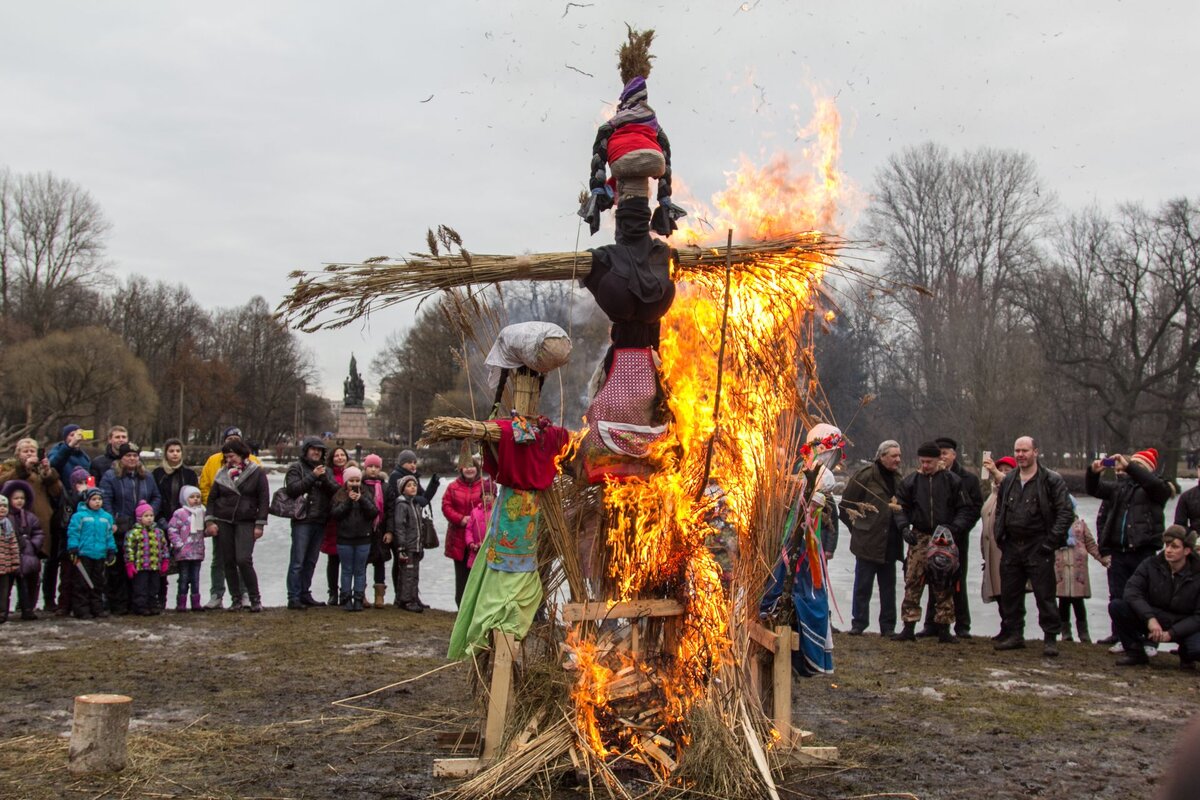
(657, 530)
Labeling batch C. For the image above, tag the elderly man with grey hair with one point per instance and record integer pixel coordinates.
(866, 508)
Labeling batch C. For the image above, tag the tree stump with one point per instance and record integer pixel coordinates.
(98, 733)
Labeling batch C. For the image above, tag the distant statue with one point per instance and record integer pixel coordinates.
(353, 389)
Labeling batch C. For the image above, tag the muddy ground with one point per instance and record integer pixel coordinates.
(238, 705)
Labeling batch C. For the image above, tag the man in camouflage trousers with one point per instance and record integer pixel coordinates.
(930, 497)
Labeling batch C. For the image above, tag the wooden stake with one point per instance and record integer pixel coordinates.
(782, 693)
(98, 733)
(501, 691)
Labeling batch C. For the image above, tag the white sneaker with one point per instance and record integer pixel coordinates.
(214, 602)
(1151, 651)
(1117, 648)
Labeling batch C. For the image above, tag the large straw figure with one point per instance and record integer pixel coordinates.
(521, 453)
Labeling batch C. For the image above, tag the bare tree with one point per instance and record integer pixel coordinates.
(53, 244)
(82, 375)
(966, 229)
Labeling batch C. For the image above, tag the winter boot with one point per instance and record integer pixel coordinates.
(196, 604)
(944, 635)
(1082, 626)
(1066, 632)
(335, 599)
(1049, 647)
(380, 595)
(1013, 642)
(907, 634)
(181, 603)
(345, 601)
(357, 603)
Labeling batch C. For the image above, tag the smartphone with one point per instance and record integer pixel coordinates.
(87, 435)
(987, 455)
(1108, 462)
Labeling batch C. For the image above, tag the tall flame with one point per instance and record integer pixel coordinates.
(657, 531)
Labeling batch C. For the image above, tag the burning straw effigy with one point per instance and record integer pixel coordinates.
(654, 661)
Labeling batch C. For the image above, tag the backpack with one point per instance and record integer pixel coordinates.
(941, 559)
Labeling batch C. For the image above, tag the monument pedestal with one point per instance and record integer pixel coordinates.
(352, 425)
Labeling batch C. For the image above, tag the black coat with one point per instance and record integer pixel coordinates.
(301, 480)
(169, 487)
(101, 464)
(427, 493)
(1054, 502)
(1137, 500)
(927, 501)
(354, 517)
(1187, 511)
(380, 526)
(1174, 600)
(872, 533)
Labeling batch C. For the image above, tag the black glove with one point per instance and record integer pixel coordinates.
(662, 221)
(908, 535)
(599, 201)
(73, 554)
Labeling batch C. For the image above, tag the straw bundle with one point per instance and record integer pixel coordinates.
(344, 292)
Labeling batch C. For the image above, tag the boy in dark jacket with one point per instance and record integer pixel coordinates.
(406, 574)
(1162, 602)
(355, 513)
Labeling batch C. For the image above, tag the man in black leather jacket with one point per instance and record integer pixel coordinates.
(1033, 517)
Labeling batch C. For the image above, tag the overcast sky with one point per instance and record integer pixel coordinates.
(230, 143)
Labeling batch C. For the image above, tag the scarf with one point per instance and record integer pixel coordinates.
(168, 469)
(196, 516)
(632, 107)
(378, 485)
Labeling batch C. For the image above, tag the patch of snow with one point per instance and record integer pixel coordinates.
(1039, 689)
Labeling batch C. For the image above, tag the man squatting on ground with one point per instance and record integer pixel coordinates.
(1162, 602)
(1033, 518)
(930, 497)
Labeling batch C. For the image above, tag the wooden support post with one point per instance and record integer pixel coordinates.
(98, 733)
(756, 679)
(782, 690)
(503, 648)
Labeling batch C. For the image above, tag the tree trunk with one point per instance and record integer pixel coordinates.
(98, 733)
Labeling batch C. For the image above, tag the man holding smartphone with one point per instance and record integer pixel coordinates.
(1133, 527)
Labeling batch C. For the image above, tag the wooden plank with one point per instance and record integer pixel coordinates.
(782, 686)
(803, 737)
(464, 740)
(456, 767)
(501, 691)
(816, 756)
(659, 755)
(760, 758)
(763, 637)
(581, 612)
(756, 679)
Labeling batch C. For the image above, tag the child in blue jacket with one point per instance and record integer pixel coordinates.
(90, 545)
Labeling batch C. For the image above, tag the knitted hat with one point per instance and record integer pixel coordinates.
(79, 475)
(13, 485)
(350, 473)
(373, 460)
(406, 456)
(232, 430)
(946, 442)
(1182, 534)
(1148, 457)
(929, 450)
(400, 484)
(126, 448)
(92, 492)
(68, 430)
(142, 508)
(1007, 461)
(185, 493)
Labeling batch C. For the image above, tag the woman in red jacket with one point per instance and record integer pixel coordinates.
(461, 497)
